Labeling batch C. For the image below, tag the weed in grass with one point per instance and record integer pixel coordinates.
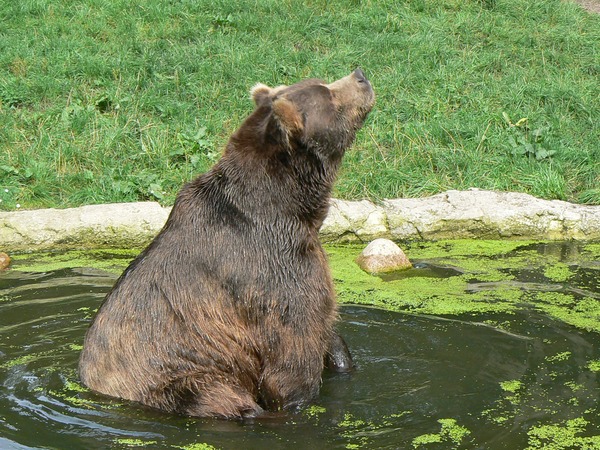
(525, 142)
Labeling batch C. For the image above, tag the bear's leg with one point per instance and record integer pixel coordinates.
(282, 388)
(338, 358)
(212, 398)
(224, 405)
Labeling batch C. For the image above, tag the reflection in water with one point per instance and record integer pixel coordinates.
(422, 269)
(418, 378)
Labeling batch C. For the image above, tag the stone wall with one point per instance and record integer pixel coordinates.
(449, 215)
(462, 215)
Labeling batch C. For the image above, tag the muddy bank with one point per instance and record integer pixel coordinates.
(472, 214)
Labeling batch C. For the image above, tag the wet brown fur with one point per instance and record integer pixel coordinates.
(229, 312)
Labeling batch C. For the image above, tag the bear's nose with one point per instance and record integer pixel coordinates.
(360, 76)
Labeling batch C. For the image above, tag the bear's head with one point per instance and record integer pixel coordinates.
(312, 115)
(283, 159)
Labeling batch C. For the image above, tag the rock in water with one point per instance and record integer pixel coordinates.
(382, 255)
(4, 261)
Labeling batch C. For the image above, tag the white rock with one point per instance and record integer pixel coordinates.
(382, 255)
(4, 261)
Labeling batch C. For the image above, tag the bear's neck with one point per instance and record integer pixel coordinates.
(277, 185)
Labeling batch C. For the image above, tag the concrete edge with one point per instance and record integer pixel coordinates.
(472, 214)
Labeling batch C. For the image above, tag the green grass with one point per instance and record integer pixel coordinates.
(115, 100)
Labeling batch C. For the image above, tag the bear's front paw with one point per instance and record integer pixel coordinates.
(338, 358)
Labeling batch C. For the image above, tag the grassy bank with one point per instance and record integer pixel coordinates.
(114, 100)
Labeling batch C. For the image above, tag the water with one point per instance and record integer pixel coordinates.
(465, 382)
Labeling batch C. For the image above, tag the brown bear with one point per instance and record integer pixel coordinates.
(230, 311)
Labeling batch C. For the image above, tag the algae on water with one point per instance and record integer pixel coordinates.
(492, 283)
(490, 277)
(569, 435)
(499, 280)
(451, 434)
(109, 260)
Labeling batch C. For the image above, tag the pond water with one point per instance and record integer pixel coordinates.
(517, 377)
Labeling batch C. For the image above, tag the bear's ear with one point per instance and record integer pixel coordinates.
(288, 115)
(260, 92)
